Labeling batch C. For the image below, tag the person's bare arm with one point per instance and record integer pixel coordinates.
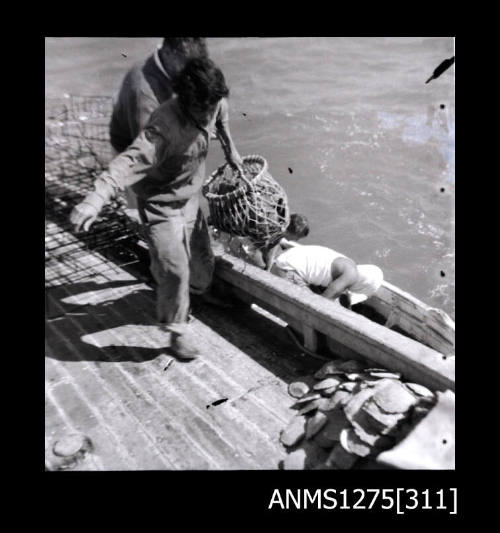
(285, 243)
(224, 136)
(345, 274)
(269, 256)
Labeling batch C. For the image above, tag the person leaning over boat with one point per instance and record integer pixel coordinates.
(325, 270)
(165, 165)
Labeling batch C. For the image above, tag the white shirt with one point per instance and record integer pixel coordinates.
(312, 263)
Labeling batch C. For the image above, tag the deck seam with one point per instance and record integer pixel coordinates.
(95, 459)
(196, 411)
(113, 395)
(123, 452)
(159, 407)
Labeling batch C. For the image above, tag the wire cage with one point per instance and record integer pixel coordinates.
(251, 205)
(77, 150)
(75, 107)
(77, 134)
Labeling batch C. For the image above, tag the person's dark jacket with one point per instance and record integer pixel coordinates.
(145, 86)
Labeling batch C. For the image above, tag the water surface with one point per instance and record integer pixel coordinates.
(362, 145)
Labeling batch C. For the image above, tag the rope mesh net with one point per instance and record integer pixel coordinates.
(253, 206)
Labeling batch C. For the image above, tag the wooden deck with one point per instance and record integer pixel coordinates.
(105, 377)
(110, 376)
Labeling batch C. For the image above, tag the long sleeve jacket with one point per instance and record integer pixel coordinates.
(145, 86)
(166, 161)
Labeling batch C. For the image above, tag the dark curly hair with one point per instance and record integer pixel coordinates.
(299, 225)
(200, 83)
(187, 46)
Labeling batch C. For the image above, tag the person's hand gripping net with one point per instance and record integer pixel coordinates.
(237, 169)
(83, 216)
(236, 162)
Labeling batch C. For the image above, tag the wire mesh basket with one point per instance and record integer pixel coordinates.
(252, 204)
(77, 134)
(77, 150)
(76, 107)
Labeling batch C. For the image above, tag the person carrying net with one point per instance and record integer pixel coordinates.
(165, 165)
(248, 206)
(145, 86)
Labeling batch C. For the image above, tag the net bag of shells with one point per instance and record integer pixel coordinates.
(251, 204)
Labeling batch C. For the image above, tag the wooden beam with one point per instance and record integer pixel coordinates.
(428, 325)
(310, 338)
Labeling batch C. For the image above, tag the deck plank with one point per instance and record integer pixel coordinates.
(201, 387)
(83, 417)
(155, 420)
(129, 436)
(105, 378)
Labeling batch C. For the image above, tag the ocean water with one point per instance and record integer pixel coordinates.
(364, 148)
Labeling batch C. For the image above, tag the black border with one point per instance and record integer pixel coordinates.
(239, 495)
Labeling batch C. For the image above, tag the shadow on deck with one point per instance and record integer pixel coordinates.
(238, 325)
(107, 376)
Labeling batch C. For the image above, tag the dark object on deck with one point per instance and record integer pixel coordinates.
(217, 402)
(168, 364)
(445, 65)
(251, 205)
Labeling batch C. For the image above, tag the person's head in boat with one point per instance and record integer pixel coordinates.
(175, 51)
(200, 86)
(298, 227)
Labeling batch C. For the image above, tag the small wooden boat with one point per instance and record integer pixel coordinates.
(392, 328)
(107, 370)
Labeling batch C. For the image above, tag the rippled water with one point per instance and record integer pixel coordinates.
(362, 145)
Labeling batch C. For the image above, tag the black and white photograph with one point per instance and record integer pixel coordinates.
(250, 255)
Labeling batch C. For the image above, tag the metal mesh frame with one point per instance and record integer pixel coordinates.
(77, 150)
(77, 135)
